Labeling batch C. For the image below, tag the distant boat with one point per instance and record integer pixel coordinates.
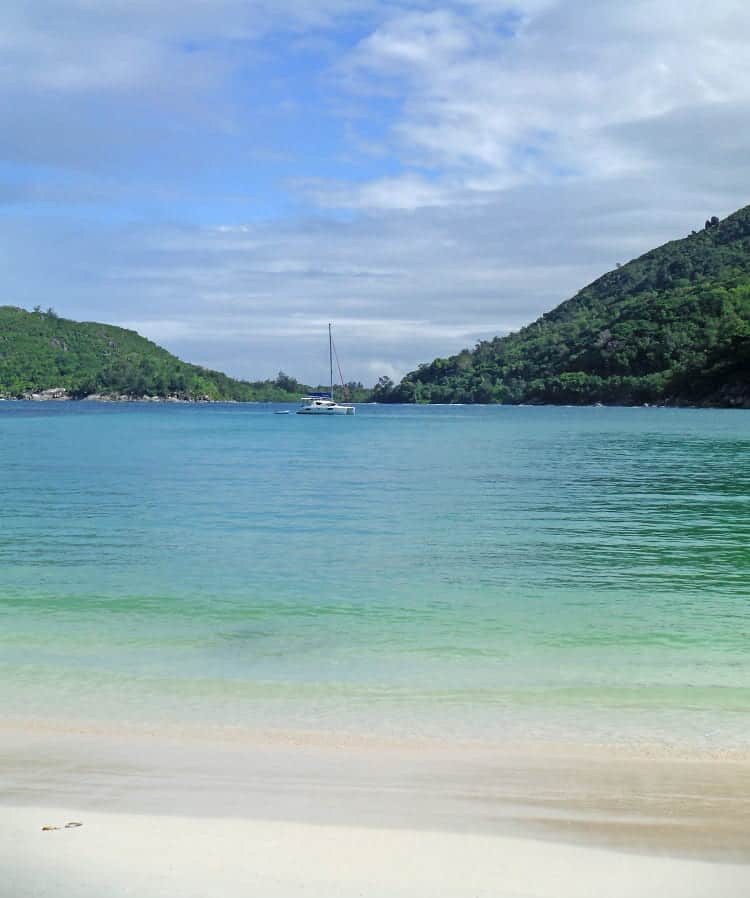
(325, 403)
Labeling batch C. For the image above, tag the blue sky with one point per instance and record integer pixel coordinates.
(228, 176)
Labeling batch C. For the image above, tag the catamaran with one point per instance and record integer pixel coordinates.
(325, 403)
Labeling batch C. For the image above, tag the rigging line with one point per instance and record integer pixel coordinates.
(338, 365)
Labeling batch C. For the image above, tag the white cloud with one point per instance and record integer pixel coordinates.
(417, 42)
(405, 192)
(527, 148)
(492, 109)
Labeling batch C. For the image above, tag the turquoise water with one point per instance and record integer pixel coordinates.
(483, 572)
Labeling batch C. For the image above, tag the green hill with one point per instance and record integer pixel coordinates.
(672, 326)
(41, 351)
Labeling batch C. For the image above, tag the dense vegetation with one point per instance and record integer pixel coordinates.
(41, 351)
(671, 326)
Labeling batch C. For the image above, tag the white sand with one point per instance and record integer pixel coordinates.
(233, 815)
(116, 855)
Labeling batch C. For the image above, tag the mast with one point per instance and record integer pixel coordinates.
(330, 356)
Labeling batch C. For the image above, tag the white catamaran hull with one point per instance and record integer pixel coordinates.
(326, 410)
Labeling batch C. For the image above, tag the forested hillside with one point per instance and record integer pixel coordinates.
(671, 326)
(41, 351)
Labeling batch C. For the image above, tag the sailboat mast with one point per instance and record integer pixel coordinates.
(330, 355)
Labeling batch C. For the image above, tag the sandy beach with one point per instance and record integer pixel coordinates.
(150, 855)
(293, 814)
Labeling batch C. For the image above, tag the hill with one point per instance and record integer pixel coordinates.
(41, 351)
(672, 326)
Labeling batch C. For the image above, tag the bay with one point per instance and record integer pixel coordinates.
(472, 572)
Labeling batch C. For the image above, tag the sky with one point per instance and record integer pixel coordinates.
(228, 176)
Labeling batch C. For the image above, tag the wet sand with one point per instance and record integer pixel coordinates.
(235, 813)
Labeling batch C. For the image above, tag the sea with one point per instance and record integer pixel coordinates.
(483, 573)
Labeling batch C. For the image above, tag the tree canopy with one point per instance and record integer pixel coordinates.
(40, 350)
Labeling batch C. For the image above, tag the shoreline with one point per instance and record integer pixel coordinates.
(216, 733)
(61, 395)
(650, 800)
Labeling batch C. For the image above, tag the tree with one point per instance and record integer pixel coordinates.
(286, 383)
(383, 389)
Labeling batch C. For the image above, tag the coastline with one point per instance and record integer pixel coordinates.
(61, 395)
(320, 815)
(650, 798)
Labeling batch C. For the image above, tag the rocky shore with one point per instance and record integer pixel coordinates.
(60, 394)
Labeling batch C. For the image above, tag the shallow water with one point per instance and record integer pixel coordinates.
(487, 572)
